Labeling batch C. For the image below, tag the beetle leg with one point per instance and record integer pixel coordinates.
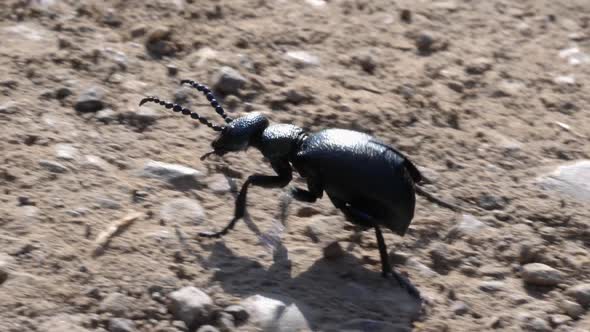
(362, 218)
(303, 195)
(388, 271)
(266, 181)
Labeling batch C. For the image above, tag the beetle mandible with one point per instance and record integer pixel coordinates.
(372, 183)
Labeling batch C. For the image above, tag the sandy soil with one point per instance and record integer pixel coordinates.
(484, 96)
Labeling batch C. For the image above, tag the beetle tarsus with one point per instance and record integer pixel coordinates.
(387, 269)
(403, 283)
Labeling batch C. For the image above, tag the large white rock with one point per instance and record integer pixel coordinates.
(571, 179)
(274, 315)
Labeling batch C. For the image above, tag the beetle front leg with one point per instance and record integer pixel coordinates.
(266, 181)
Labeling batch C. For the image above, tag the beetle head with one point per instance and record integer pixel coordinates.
(239, 134)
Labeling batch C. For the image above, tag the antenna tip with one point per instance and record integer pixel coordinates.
(144, 100)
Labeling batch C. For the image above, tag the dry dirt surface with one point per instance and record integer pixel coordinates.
(490, 99)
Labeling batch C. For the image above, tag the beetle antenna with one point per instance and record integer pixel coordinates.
(210, 97)
(179, 109)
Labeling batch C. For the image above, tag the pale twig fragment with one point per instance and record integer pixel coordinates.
(117, 226)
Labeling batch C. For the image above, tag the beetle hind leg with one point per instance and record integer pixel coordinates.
(387, 269)
(363, 219)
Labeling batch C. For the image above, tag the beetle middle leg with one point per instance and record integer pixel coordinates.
(313, 192)
(267, 181)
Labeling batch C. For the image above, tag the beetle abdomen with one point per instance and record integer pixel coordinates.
(357, 169)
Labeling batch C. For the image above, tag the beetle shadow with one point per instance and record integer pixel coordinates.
(326, 290)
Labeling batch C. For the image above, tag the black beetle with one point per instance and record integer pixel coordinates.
(372, 183)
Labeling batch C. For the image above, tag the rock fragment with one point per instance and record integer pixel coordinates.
(191, 305)
(228, 81)
(572, 180)
(478, 66)
(572, 309)
(239, 313)
(274, 315)
(182, 211)
(581, 293)
(121, 325)
(541, 275)
(66, 152)
(117, 304)
(428, 42)
(53, 166)
(91, 100)
(468, 226)
(159, 43)
(179, 176)
(303, 59)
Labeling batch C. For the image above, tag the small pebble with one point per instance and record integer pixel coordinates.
(121, 325)
(581, 293)
(557, 320)
(9, 108)
(428, 43)
(571, 308)
(172, 70)
(106, 115)
(182, 211)
(90, 100)
(238, 312)
(53, 166)
(565, 80)
(179, 176)
(117, 304)
(541, 275)
(228, 81)
(459, 308)
(492, 286)
(406, 16)
(107, 203)
(96, 163)
(66, 152)
(491, 202)
(468, 226)
(207, 328)
(5, 262)
(225, 322)
(219, 184)
(158, 42)
(303, 58)
(536, 324)
(478, 66)
(190, 305)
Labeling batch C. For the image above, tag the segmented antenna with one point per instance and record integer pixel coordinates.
(179, 109)
(210, 97)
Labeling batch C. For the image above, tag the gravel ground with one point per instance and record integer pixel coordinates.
(489, 98)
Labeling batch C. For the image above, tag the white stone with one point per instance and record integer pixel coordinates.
(191, 305)
(571, 179)
(303, 58)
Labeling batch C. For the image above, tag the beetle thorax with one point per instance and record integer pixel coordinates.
(279, 141)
